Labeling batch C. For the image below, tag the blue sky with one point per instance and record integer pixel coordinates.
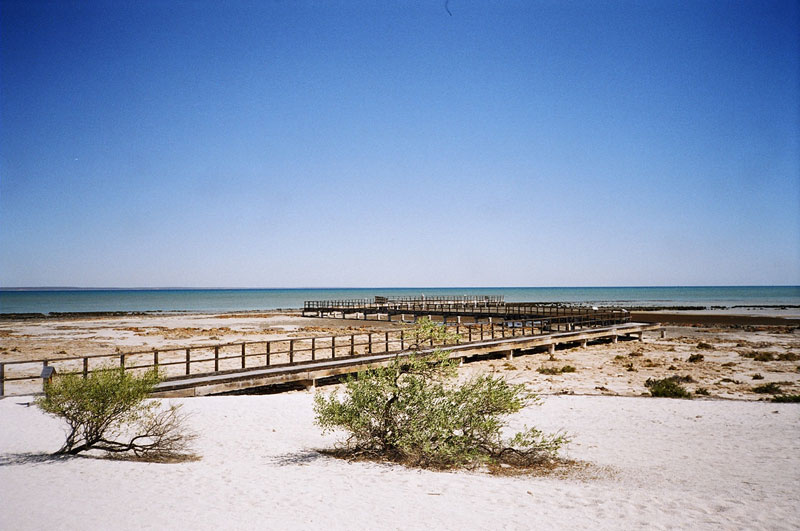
(310, 144)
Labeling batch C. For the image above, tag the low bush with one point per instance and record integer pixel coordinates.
(701, 391)
(694, 358)
(787, 356)
(107, 411)
(759, 356)
(769, 388)
(786, 398)
(757, 376)
(556, 370)
(705, 345)
(410, 412)
(667, 387)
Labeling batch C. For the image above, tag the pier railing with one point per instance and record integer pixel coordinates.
(174, 363)
(476, 308)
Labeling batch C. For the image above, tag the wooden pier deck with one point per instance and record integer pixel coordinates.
(307, 373)
(209, 369)
(461, 310)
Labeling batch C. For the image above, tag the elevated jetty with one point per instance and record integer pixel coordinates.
(465, 309)
(212, 369)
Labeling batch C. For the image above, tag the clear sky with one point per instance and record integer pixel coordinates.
(311, 144)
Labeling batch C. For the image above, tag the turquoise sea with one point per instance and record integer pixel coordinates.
(219, 300)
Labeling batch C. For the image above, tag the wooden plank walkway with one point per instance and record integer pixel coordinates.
(474, 311)
(309, 372)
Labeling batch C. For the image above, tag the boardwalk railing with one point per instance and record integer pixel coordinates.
(474, 309)
(384, 302)
(24, 377)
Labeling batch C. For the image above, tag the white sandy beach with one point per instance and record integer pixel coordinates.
(654, 464)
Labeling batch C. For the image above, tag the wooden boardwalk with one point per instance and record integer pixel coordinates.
(307, 373)
(216, 368)
(466, 309)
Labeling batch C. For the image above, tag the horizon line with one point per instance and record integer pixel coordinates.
(223, 288)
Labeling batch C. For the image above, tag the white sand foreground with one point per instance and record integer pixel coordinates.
(657, 464)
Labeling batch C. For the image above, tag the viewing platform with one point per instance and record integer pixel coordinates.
(212, 369)
(467, 309)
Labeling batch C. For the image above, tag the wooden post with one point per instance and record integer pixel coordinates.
(85, 368)
(269, 345)
(244, 363)
(369, 343)
(352, 344)
(386, 343)
(313, 348)
(291, 351)
(551, 348)
(469, 332)
(333, 346)
(2, 379)
(155, 358)
(188, 361)
(402, 340)
(216, 358)
(122, 362)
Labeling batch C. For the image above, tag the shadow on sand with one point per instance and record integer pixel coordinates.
(298, 458)
(32, 458)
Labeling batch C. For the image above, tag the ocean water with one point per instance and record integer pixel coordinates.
(219, 300)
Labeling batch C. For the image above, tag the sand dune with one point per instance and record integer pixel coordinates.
(653, 464)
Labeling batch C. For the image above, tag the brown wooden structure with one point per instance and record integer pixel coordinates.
(465, 309)
(294, 359)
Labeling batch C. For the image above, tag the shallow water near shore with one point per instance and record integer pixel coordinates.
(19, 301)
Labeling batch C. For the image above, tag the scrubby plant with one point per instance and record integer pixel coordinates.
(787, 356)
(769, 388)
(705, 345)
(759, 356)
(786, 398)
(758, 376)
(694, 358)
(409, 411)
(701, 391)
(556, 370)
(667, 387)
(108, 411)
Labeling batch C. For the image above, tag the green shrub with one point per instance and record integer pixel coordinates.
(107, 411)
(667, 387)
(694, 358)
(701, 391)
(410, 412)
(769, 388)
(705, 345)
(787, 356)
(555, 370)
(757, 376)
(786, 398)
